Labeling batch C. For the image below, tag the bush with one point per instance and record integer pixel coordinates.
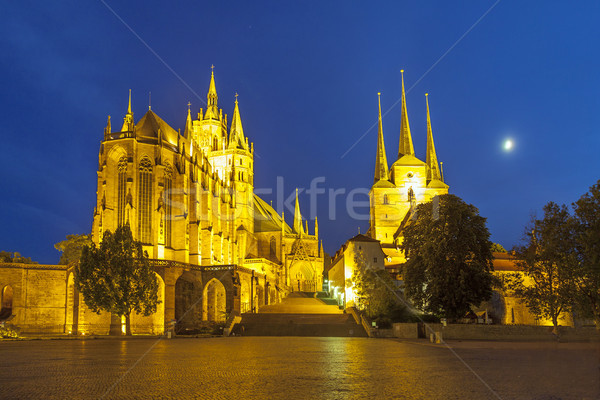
(8, 331)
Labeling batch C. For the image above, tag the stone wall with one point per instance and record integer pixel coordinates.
(497, 332)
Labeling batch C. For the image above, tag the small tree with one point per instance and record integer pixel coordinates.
(116, 276)
(449, 261)
(373, 288)
(9, 257)
(498, 248)
(549, 264)
(72, 247)
(587, 213)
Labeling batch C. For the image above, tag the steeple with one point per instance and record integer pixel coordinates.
(187, 133)
(128, 120)
(316, 227)
(381, 165)
(298, 228)
(406, 145)
(433, 171)
(236, 134)
(107, 130)
(321, 252)
(212, 110)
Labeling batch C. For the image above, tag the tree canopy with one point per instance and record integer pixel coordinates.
(10, 257)
(373, 288)
(72, 247)
(449, 258)
(587, 215)
(116, 276)
(549, 264)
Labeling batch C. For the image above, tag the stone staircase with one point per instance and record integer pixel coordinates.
(300, 314)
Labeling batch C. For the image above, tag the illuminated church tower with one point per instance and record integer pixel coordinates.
(397, 191)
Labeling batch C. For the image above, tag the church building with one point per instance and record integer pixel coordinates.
(396, 191)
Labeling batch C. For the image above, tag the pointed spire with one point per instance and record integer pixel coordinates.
(381, 165)
(187, 133)
(212, 110)
(108, 128)
(316, 227)
(128, 120)
(236, 134)
(406, 145)
(432, 171)
(321, 252)
(298, 218)
(306, 228)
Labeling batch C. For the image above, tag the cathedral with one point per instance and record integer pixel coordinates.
(396, 191)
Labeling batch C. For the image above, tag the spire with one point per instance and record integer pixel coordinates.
(321, 252)
(432, 171)
(298, 218)
(316, 227)
(128, 120)
(381, 165)
(107, 130)
(236, 134)
(187, 133)
(406, 145)
(212, 111)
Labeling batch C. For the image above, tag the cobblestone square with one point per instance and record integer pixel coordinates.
(296, 368)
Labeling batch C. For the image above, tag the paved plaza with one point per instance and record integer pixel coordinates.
(297, 368)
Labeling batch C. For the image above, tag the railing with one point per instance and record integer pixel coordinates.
(360, 319)
(230, 324)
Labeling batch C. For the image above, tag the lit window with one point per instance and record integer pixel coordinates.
(145, 201)
(121, 190)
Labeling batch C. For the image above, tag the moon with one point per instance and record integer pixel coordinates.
(508, 145)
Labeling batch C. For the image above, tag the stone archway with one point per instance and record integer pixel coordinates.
(187, 302)
(214, 302)
(245, 295)
(153, 323)
(72, 309)
(6, 302)
(302, 277)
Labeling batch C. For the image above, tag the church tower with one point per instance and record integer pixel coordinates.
(410, 181)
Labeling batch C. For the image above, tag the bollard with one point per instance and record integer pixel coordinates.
(438, 337)
(432, 338)
(169, 335)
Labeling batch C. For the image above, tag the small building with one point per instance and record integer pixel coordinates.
(358, 250)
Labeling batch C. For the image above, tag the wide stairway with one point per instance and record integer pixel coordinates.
(300, 314)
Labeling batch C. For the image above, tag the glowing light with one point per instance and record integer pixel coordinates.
(508, 145)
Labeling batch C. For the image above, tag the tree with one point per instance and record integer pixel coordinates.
(498, 248)
(116, 276)
(587, 214)
(449, 258)
(373, 288)
(8, 257)
(72, 247)
(549, 264)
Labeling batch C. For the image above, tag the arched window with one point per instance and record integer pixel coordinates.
(167, 193)
(385, 199)
(121, 190)
(145, 201)
(273, 247)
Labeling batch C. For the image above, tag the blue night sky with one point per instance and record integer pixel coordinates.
(307, 75)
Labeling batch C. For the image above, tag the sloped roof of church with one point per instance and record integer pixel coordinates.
(408, 159)
(150, 124)
(266, 218)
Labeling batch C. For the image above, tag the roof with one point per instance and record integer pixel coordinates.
(505, 262)
(408, 159)
(150, 124)
(266, 219)
(436, 183)
(383, 183)
(362, 238)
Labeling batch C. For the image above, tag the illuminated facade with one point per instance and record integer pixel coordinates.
(396, 191)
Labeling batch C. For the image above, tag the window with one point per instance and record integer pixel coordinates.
(145, 201)
(121, 190)
(374, 259)
(273, 247)
(168, 204)
(385, 200)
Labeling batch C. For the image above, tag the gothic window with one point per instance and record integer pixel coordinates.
(121, 190)
(273, 247)
(168, 193)
(385, 199)
(145, 201)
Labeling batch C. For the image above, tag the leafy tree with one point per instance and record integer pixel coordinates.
(72, 247)
(587, 214)
(373, 288)
(449, 258)
(116, 276)
(498, 248)
(549, 264)
(8, 257)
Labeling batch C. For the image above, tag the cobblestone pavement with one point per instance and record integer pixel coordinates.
(296, 368)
